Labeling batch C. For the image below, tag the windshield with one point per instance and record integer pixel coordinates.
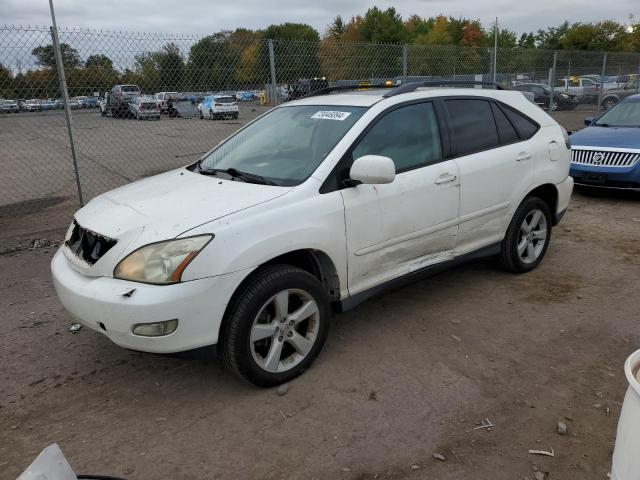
(625, 114)
(224, 99)
(287, 144)
(130, 88)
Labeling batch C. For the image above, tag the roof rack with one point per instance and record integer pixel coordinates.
(413, 86)
(339, 88)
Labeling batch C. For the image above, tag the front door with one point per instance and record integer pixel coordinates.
(397, 228)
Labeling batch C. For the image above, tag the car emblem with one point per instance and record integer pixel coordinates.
(597, 158)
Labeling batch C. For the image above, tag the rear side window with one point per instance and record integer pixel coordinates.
(506, 133)
(473, 125)
(408, 135)
(526, 127)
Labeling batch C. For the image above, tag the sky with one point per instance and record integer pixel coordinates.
(200, 17)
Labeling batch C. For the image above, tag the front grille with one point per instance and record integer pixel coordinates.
(604, 159)
(88, 245)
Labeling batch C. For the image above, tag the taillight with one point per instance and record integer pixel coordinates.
(218, 104)
(141, 107)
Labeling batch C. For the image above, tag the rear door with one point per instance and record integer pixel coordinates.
(496, 169)
(400, 227)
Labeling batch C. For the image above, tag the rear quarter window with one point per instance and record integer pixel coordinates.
(526, 127)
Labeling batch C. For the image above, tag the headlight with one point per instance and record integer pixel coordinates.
(564, 95)
(161, 263)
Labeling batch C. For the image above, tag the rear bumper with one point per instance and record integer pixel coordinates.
(565, 189)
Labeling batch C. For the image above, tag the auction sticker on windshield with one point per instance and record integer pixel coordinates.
(331, 115)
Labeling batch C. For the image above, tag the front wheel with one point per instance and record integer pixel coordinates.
(275, 326)
(527, 238)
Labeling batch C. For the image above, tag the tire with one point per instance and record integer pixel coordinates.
(235, 116)
(200, 114)
(103, 113)
(211, 116)
(254, 304)
(516, 260)
(137, 116)
(607, 103)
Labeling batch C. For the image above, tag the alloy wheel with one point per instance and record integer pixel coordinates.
(532, 236)
(285, 330)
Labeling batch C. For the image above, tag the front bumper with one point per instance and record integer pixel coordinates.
(617, 177)
(199, 306)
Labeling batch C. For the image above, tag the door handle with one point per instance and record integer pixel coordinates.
(523, 156)
(445, 178)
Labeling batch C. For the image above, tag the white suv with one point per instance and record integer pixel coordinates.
(313, 207)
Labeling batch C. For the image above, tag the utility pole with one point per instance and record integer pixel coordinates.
(495, 51)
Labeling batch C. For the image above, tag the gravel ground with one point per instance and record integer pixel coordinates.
(403, 376)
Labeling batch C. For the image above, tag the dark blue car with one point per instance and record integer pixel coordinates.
(607, 152)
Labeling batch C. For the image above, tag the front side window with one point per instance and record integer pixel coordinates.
(286, 145)
(408, 135)
(473, 125)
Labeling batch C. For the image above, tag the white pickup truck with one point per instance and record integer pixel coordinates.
(586, 89)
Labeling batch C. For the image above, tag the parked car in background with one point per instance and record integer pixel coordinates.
(117, 101)
(304, 86)
(542, 93)
(9, 106)
(73, 104)
(161, 99)
(586, 89)
(218, 106)
(144, 108)
(246, 96)
(319, 203)
(32, 105)
(607, 152)
(49, 104)
(611, 97)
(90, 102)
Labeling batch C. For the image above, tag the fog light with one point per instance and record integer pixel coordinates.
(157, 329)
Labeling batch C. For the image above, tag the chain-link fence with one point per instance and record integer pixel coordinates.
(145, 103)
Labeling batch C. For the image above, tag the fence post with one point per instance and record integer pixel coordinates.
(604, 72)
(638, 82)
(405, 59)
(272, 65)
(495, 52)
(552, 79)
(65, 96)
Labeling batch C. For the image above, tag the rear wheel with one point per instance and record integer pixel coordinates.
(275, 326)
(235, 116)
(211, 117)
(527, 237)
(200, 114)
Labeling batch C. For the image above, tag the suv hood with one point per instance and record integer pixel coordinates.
(164, 206)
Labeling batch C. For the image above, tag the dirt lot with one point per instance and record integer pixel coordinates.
(402, 377)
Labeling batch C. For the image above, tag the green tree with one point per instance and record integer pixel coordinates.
(551, 38)
(45, 56)
(336, 28)
(438, 35)
(295, 47)
(603, 36)
(100, 61)
(527, 40)
(6, 82)
(380, 26)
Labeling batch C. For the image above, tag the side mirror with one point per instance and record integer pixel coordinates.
(588, 121)
(373, 169)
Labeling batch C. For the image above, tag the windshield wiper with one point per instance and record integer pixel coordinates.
(235, 173)
(602, 124)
